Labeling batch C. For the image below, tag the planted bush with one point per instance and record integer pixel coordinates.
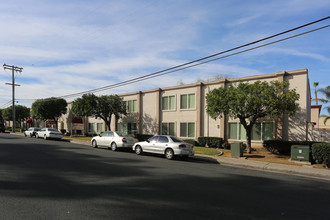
(191, 141)
(321, 153)
(284, 147)
(143, 137)
(213, 142)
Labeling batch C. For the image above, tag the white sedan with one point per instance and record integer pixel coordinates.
(48, 133)
(113, 140)
(165, 144)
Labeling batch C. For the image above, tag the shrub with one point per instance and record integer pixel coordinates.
(284, 147)
(191, 141)
(226, 145)
(321, 153)
(213, 142)
(143, 137)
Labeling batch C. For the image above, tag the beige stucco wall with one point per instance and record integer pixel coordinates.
(150, 114)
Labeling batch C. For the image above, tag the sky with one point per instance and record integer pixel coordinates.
(67, 47)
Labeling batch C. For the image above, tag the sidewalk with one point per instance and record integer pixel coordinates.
(305, 170)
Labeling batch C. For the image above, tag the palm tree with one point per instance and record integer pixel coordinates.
(326, 92)
(315, 85)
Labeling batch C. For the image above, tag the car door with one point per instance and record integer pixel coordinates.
(148, 146)
(161, 145)
(102, 139)
(42, 132)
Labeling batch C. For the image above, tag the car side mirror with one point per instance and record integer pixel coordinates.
(148, 141)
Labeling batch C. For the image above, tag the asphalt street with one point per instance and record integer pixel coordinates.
(46, 179)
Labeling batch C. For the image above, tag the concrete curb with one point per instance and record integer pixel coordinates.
(304, 170)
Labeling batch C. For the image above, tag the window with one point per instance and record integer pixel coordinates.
(187, 101)
(260, 131)
(168, 128)
(168, 103)
(91, 127)
(162, 139)
(131, 106)
(128, 128)
(99, 127)
(187, 129)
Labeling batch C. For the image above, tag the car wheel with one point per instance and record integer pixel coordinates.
(31, 135)
(45, 137)
(24, 134)
(94, 144)
(169, 154)
(138, 150)
(113, 146)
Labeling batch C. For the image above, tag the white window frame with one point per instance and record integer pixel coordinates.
(168, 104)
(168, 123)
(188, 104)
(239, 126)
(187, 131)
(127, 103)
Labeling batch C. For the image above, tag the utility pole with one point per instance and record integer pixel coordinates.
(13, 69)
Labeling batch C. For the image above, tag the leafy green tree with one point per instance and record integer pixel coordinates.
(103, 107)
(84, 106)
(21, 113)
(50, 108)
(249, 102)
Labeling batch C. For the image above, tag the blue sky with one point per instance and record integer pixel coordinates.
(72, 46)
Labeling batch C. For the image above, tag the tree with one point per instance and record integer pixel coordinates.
(326, 92)
(315, 86)
(50, 108)
(103, 107)
(21, 113)
(249, 102)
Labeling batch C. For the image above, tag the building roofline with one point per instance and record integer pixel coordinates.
(226, 80)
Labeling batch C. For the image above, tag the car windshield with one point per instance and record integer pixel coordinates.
(175, 139)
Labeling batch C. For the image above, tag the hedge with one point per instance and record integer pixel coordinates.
(191, 141)
(143, 137)
(213, 142)
(284, 147)
(321, 153)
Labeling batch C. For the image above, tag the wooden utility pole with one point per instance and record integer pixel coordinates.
(13, 69)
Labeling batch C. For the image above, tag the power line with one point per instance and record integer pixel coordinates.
(185, 65)
(194, 61)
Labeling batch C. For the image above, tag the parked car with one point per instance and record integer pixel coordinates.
(113, 140)
(2, 127)
(164, 144)
(49, 133)
(31, 132)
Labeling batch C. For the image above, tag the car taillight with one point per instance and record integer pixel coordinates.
(124, 140)
(182, 146)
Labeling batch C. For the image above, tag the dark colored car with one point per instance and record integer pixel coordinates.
(2, 127)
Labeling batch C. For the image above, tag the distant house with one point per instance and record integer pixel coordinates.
(181, 111)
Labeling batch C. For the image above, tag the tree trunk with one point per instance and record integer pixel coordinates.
(248, 139)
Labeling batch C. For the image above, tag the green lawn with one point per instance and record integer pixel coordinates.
(83, 138)
(206, 151)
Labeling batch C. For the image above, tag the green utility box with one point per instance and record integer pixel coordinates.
(236, 149)
(300, 153)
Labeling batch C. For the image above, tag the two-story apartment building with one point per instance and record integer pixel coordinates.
(181, 111)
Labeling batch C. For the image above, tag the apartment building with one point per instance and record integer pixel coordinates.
(181, 111)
